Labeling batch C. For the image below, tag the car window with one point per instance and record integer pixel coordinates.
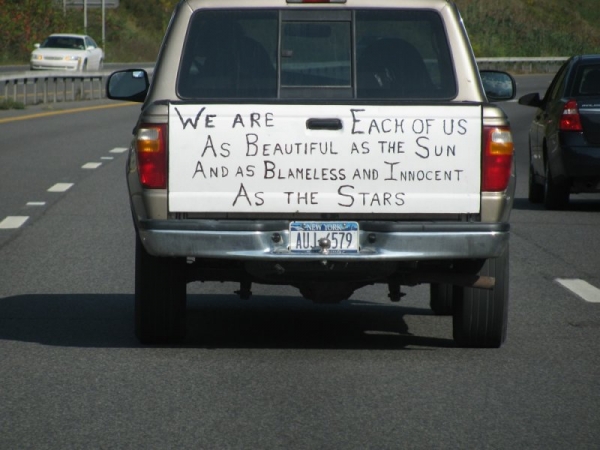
(555, 89)
(587, 80)
(403, 54)
(316, 54)
(69, 42)
(365, 54)
(89, 42)
(230, 54)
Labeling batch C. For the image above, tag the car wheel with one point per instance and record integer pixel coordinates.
(160, 297)
(556, 194)
(101, 64)
(480, 315)
(536, 190)
(440, 299)
(84, 66)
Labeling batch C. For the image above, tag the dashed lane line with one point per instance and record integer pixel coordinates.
(12, 222)
(60, 187)
(581, 288)
(91, 165)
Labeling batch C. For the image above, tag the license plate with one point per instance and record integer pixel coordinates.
(324, 237)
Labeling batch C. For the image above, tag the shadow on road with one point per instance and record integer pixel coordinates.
(215, 321)
(576, 204)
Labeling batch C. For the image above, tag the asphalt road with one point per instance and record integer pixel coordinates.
(274, 372)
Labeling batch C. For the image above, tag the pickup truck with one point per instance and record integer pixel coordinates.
(323, 144)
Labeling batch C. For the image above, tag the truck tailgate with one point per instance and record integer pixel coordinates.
(346, 159)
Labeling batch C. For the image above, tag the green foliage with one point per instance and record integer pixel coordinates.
(21, 22)
(10, 104)
(532, 27)
(137, 29)
(134, 30)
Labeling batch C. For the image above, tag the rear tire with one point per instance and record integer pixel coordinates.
(480, 315)
(556, 193)
(440, 299)
(536, 190)
(160, 298)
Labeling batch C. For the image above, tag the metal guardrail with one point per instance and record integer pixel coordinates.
(51, 87)
(523, 65)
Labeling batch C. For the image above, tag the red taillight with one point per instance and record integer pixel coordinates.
(570, 119)
(497, 158)
(152, 155)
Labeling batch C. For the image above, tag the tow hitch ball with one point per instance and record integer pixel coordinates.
(244, 292)
(395, 294)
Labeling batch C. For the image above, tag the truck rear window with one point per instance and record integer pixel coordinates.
(298, 54)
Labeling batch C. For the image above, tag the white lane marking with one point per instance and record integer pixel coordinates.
(582, 289)
(108, 158)
(60, 187)
(36, 203)
(119, 150)
(91, 165)
(12, 222)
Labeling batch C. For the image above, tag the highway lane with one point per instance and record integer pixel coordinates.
(52, 146)
(275, 371)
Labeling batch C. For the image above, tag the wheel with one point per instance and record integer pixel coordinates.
(160, 297)
(536, 190)
(481, 316)
(440, 299)
(100, 64)
(556, 194)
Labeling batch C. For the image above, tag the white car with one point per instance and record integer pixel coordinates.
(75, 52)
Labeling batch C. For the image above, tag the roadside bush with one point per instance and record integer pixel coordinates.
(532, 28)
(10, 104)
(133, 31)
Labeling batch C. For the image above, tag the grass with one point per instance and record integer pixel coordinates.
(6, 104)
(531, 27)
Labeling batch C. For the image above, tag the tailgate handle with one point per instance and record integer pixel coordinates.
(324, 124)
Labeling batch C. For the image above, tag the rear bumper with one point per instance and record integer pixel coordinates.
(268, 240)
(581, 161)
(578, 159)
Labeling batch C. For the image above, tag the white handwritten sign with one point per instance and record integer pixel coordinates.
(265, 158)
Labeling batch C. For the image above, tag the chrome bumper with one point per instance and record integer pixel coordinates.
(269, 240)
